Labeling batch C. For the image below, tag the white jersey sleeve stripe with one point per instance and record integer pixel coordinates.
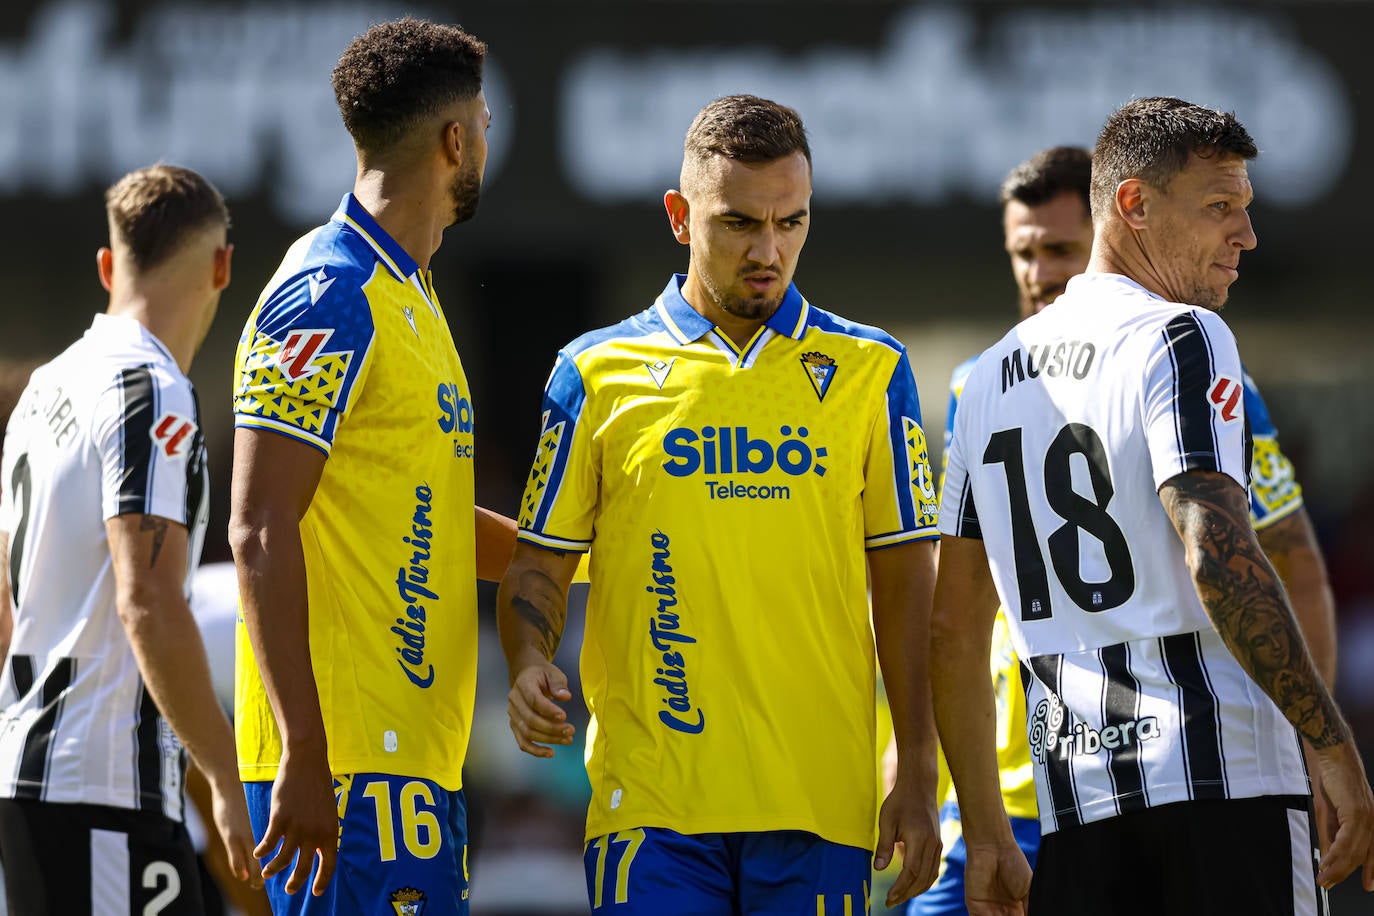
(135, 482)
(1190, 353)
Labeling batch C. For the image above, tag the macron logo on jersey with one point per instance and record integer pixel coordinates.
(298, 352)
(1225, 396)
(173, 434)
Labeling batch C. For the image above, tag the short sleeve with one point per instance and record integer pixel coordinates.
(303, 358)
(558, 508)
(1274, 489)
(899, 498)
(1193, 402)
(958, 512)
(149, 444)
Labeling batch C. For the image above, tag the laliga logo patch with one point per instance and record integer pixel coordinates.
(820, 370)
(173, 434)
(298, 352)
(408, 902)
(1225, 397)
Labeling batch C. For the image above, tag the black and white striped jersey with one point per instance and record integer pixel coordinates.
(1066, 430)
(109, 427)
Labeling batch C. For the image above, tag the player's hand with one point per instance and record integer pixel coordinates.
(230, 814)
(1343, 780)
(305, 822)
(908, 817)
(996, 880)
(1321, 806)
(536, 719)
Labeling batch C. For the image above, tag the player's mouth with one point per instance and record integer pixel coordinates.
(1231, 272)
(761, 281)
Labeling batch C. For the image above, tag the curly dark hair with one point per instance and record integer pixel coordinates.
(1151, 139)
(1047, 174)
(748, 129)
(153, 210)
(398, 73)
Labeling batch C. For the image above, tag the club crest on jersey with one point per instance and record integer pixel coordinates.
(173, 434)
(1225, 396)
(408, 901)
(658, 370)
(298, 352)
(820, 370)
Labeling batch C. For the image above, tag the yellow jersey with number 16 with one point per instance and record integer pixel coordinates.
(349, 353)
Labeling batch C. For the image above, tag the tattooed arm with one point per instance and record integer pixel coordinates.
(531, 609)
(1246, 602)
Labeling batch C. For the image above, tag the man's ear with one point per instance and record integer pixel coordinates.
(104, 267)
(1132, 200)
(455, 142)
(678, 212)
(223, 256)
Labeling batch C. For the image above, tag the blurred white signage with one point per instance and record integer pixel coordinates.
(240, 93)
(949, 104)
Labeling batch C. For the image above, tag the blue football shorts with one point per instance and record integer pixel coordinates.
(652, 871)
(402, 849)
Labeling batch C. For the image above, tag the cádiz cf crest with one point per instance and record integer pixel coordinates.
(408, 902)
(820, 369)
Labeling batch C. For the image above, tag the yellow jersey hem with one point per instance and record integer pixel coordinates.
(553, 543)
(731, 824)
(877, 542)
(450, 781)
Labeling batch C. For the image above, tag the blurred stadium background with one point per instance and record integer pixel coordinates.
(915, 111)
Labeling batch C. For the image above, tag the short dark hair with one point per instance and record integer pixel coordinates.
(398, 73)
(153, 210)
(1047, 174)
(747, 129)
(1151, 139)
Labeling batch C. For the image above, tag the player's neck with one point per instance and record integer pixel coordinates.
(1127, 258)
(739, 330)
(168, 320)
(404, 206)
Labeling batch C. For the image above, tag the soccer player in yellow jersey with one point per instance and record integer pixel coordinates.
(1048, 234)
(736, 459)
(354, 528)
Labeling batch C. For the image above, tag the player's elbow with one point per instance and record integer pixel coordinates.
(252, 529)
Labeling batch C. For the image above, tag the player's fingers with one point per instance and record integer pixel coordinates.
(538, 726)
(271, 837)
(328, 854)
(300, 874)
(286, 853)
(887, 838)
(240, 858)
(1340, 860)
(517, 728)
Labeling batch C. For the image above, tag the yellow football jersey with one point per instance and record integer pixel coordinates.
(728, 497)
(349, 352)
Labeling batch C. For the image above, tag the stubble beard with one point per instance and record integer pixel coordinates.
(466, 192)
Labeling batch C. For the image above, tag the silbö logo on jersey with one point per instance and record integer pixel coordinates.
(1047, 738)
(718, 451)
(412, 585)
(667, 638)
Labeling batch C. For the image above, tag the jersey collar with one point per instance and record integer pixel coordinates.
(686, 324)
(389, 252)
(130, 330)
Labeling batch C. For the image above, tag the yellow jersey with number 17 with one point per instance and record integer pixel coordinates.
(348, 352)
(728, 497)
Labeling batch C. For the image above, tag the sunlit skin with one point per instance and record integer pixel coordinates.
(746, 225)
(1183, 243)
(1047, 244)
(466, 188)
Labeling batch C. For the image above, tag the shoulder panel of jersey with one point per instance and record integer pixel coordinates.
(305, 350)
(565, 393)
(909, 511)
(1274, 489)
(957, 378)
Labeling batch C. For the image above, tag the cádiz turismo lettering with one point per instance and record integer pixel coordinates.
(1064, 359)
(412, 585)
(666, 635)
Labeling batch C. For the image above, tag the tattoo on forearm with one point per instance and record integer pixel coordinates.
(543, 605)
(1247, 604)
(158, 526)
